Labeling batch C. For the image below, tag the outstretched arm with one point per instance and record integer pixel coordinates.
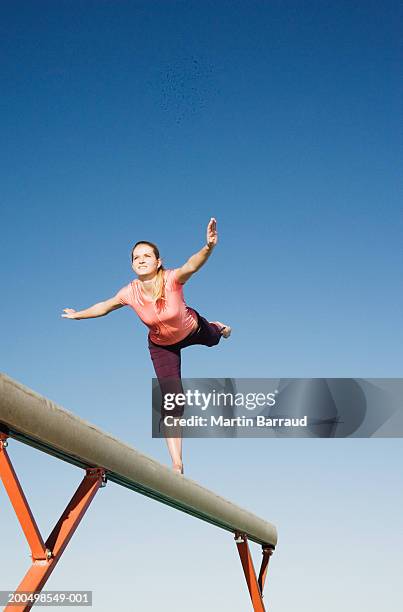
(197, 260)
(97, 310)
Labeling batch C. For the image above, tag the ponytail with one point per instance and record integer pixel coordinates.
(159, 286)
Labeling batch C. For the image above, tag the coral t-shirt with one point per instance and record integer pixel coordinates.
(169, 320)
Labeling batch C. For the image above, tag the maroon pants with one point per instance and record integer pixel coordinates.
(167, 359)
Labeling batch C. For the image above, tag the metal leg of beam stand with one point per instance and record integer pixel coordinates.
(255, 586)
(267, 553)
(45, 555)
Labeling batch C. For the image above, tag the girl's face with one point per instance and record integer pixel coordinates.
(145, 264)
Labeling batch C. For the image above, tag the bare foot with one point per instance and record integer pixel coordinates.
(178, 468)
(224, 329)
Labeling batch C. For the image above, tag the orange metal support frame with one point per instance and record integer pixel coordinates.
(255, 585)
(45, 555)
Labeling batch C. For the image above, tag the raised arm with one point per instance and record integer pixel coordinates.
(97, 310)
(197, 260)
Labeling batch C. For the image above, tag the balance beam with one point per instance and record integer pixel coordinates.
(39, 422)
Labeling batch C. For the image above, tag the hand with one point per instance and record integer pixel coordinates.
(70, 313)
(212, 237)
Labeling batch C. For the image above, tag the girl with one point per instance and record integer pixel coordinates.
(157, 297)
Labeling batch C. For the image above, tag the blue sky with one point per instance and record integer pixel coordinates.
(141, 120)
